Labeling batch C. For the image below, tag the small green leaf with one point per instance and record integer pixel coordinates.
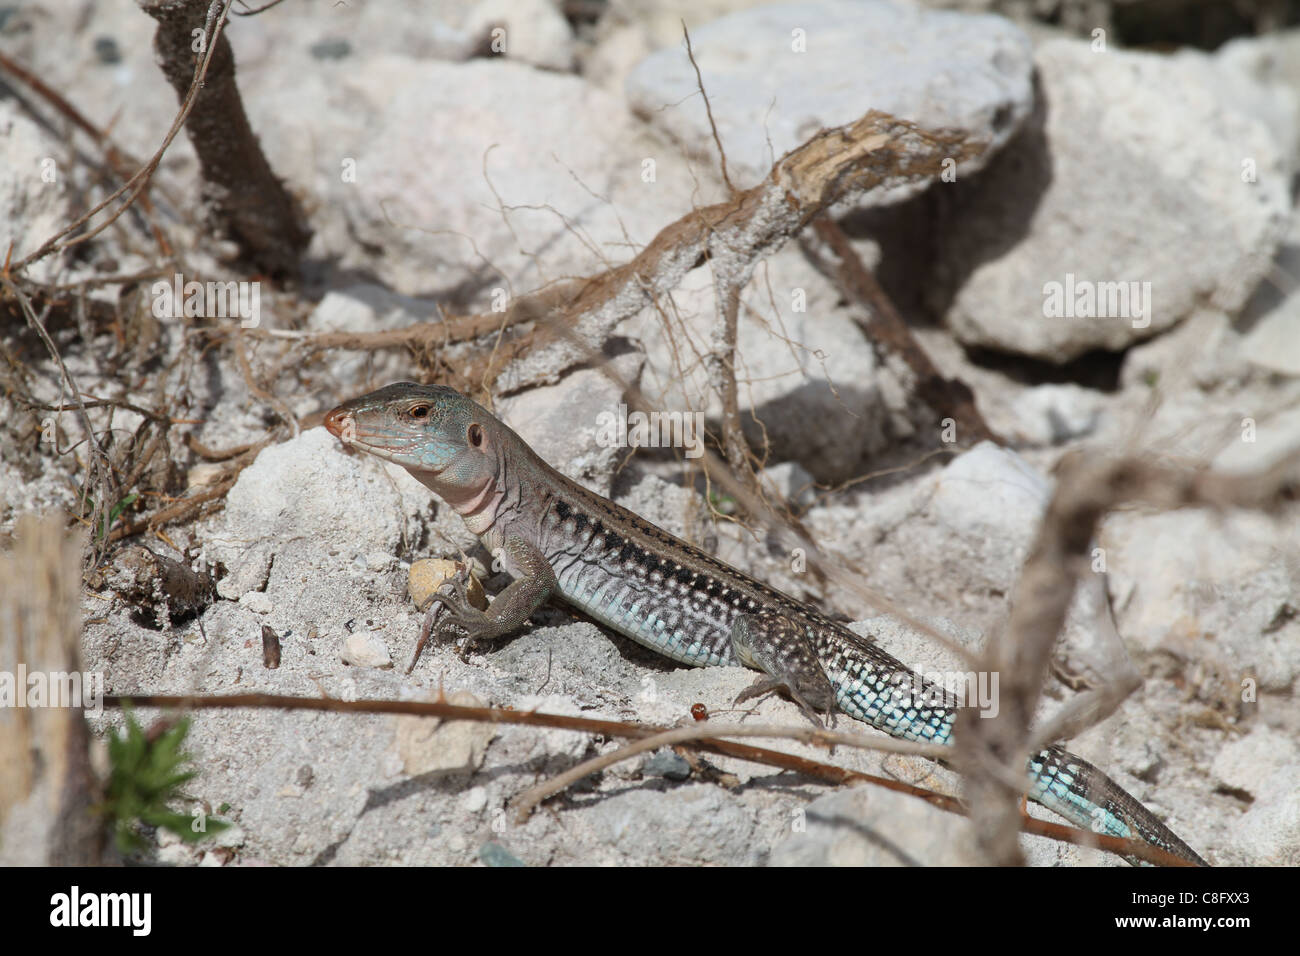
(114, 513)
(722, 503)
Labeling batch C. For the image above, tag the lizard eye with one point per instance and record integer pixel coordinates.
(475, 434)
(419, 412)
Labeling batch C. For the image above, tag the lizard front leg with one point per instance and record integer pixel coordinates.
(451, 617)
(779, 647)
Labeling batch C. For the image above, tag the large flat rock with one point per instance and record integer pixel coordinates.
(775, 75)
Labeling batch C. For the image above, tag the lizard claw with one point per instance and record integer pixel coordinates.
(450, 618)
(770, 685)
(454, 592)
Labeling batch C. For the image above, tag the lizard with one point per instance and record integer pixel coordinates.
(558, 539)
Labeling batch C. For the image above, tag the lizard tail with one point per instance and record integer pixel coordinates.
(1081, 793)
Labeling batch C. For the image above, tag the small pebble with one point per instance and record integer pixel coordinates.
(428, 574)
(365, 649)
(106, 49)
(668, 764)
(494, 854)
(334, 49)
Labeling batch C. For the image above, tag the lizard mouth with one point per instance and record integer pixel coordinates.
(340, 423)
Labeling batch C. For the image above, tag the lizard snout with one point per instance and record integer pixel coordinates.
(339, 421)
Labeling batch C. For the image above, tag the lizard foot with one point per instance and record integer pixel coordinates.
(451, 618)
(771, 685)
(778, 646)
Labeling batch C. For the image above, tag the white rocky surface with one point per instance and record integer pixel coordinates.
(1271, 322)
(1055, 414)
(532, 31)
(550, 173)
(777, 74)
(33, 186)
(1147, 194)
(1218, 589)
(852, 828)
(1263, 769)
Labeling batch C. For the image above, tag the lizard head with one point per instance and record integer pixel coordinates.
(442, 438)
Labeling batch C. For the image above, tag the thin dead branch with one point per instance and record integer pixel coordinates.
(120, 161)
(100, 484)
(134, 186)
(708, 110)
(722, 375)
(889, 335)
(827, 773)
(246, 200)
(878, 151)
(712, 730)
(198, 505)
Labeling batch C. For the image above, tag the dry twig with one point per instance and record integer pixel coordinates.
(827, 773)
(137, 183)
(889, 335)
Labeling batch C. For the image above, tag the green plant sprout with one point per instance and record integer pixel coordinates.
(146, 774)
